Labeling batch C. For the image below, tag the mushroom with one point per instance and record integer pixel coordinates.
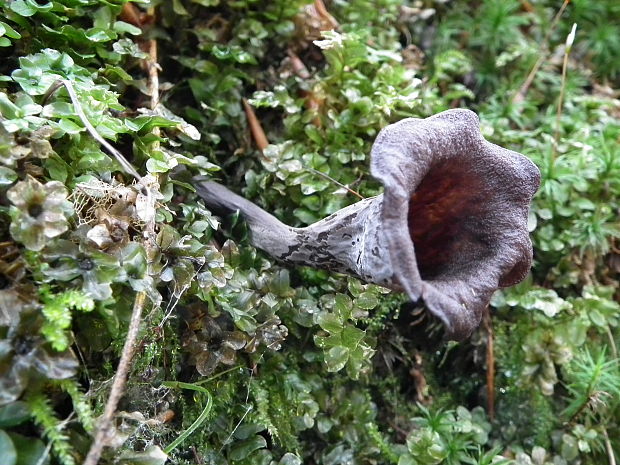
(450, 227)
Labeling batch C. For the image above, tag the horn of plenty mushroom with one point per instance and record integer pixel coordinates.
(450, 227)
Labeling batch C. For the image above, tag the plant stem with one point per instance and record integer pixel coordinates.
(612, 343)
(490, 365)
(556, 138)
(520, 95)
(93, 132)
(201, 418)
(610, 450)
(118, 386)
(120, 378)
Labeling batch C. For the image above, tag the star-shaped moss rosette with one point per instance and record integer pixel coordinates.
(16, 293)
(184, 259)
(450, 228)
(39, 212)
(25, 355)
(207, 343)
(66, 260)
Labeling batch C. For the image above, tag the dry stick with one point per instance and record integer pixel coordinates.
(569, 43)
(610, 450)
(118, 386)
(153, 67)
(129, 348)
(520, 95)
(93, 132)
(490, 365)
(320, 8)
(255, 127)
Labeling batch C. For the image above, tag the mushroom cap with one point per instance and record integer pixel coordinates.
(454, 213)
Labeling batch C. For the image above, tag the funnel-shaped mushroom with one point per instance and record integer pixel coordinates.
(450, 228)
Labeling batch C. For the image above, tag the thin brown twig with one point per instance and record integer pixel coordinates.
(313, 102)
(104, 429)
(118, 386)
(255, 127)
(490, 364)
(320, 8)
(153, 68)
(520, 95)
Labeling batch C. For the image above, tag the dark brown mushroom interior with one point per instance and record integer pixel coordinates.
(447, 218)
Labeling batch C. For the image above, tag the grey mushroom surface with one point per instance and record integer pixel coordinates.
(450, 227)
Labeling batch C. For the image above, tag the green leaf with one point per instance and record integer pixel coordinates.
(178, 8)
(351, 336)
(9, 31)
(122, 27)
(69, 127)
(290, 459)
(343, 306)
(336, 358)
(243, 449)
(29, 7)
(330, 322)
(13, 414)
(30, 451)
(7, 449)
(367, 300)
(7, 176)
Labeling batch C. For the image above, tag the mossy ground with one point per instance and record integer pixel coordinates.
(235, 362)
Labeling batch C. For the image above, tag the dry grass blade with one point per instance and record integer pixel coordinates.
(326, 176)
(93, 132)
(490, 365)
(569, 43)
(520, 95)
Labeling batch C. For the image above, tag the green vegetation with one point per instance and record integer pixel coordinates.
(239, 360)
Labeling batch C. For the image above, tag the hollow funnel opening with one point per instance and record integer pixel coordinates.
(447, 222)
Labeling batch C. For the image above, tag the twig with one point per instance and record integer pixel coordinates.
(612, 343)
(93, 132)
(569, 43)
(153, 68)
(131, 14)
(312, 101)
(490, 365)
(326, 176)
(118, 386)
(122, 372)
(610, 450)
(298, 66)
(520, 95)
(320, 8)
(255, 127)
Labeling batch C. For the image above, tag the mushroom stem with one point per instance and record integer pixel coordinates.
(348, 241)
